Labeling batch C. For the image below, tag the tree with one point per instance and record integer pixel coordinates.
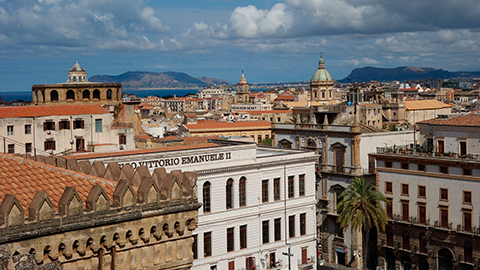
(360, 208)
(302, 120)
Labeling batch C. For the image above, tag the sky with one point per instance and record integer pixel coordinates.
(272, 41)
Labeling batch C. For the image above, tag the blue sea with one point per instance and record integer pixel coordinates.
(27, 96)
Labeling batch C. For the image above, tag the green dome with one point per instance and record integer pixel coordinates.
(321, 74)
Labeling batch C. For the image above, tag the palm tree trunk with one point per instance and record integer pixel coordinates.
(364, 246)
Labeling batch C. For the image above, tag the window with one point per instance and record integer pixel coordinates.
(279, 119)
(230, 239)
(405, 189)
(272, 260)
(28, 147)
(259, 138)
(291, 226)
(304, 255)
(467, 220)
(422, 239)
(98, 125)
(11, 148)
(78, 124)
(388, 164)
(231, 265)
(463, 148)
(388, 187)
(207, 244)
(122, 139)
(278, 229)
(48, 125)
(421, 167)
(444, 170)
(64, 124)
(405, 211)
(467, 252)
(422, 192)
(301, 185)
(195, 247)
(28, 129)
(206, 197)
(405, 240)
(389, 209)
(250, 263)
(229, 194)
(264, 190)
(443, 194)
(467, 197)
(49, 145)
(303, 224)
(389, 233)
(444, 217)
(242, 192)
(291, 189)
(404, 166)
(276, 189)
(265, 232)
(422, 214)
(467, 171)
(9, 130)
(243, 236)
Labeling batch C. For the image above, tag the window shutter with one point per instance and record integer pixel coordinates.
(60, 125)
(53, 125)
(53, 145)
(45, 145)
(68, 124)
(44, 126)
(82, 124)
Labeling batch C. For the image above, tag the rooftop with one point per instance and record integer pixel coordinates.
(227, 125)
(51, 110)
(23, 178)
(468, 120)
(413, 105)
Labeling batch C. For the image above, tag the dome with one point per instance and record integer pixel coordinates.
(321, 74)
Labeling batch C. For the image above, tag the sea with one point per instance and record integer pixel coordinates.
(27, 96)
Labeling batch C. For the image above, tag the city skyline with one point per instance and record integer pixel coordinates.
(270, 40)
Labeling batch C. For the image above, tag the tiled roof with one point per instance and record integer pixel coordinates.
(50, 110)
(23, 178)
(470, 120)
(425, 105)
(228, 125)
(285, 97)
(269, 111)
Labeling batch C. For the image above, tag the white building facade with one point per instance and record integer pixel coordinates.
(256, 201)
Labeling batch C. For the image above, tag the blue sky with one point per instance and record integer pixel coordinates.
(271, 40)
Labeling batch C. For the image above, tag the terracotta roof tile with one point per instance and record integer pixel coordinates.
(425, 105)
(469, 120)
(228, 125)
(31, 176)
(50, 110)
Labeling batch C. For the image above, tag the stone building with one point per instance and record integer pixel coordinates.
(94, 217)
(243, 91)
(433, 212)
(78, 90)
(321, 84)
(256, 201)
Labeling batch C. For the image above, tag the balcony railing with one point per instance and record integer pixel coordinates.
(310, 260)
(405, 150)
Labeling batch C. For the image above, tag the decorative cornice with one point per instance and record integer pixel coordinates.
(251, 167)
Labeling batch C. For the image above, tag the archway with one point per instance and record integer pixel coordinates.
(96, 94)
(53, 95)
(423, 265)
(70, 95)
(406, 263)
(390, 259)
(86, 94)
(445, 259)
(109, 94)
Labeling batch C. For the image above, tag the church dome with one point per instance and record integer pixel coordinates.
(321, 74)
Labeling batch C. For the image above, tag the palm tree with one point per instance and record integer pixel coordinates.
(301, 120)
(361, 209)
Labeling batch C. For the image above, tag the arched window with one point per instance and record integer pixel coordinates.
(206, 197)
(323, 94)
(422, 239)
(423, 265)
(390, 261)
(445, 259)
(53, 95)
(70, 95)
(109, 94)
(96, 94)
(467, 252)
(242, 195)
(118, 94)
(405, 240)
(86, 94)
(229, 194)
(406, 263)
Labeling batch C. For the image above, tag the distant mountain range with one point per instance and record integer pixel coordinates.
(367, 74)
(139, 80)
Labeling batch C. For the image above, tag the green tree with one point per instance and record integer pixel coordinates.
(266, 141)
(360, 208)
(302, 119)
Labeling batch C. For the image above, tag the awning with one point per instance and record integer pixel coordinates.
(341, 250)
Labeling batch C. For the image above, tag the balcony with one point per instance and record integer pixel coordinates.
(409, 151)
(308, 264)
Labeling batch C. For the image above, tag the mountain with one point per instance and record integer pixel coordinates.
(367, 74)
(156, 80)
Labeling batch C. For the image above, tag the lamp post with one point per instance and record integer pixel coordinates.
(289, 254)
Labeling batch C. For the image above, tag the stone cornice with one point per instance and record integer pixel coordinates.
(251, 167)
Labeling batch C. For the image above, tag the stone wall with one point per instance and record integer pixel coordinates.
(146, 224)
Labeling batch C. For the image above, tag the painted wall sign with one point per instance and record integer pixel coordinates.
(165, 162)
